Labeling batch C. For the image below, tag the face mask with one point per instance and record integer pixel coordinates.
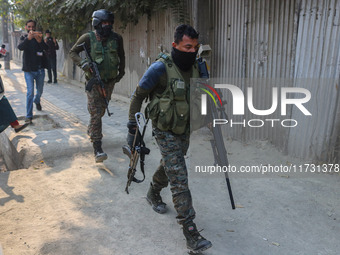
(184, 60)
(104, 30)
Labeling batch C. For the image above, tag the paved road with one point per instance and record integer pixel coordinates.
(64, 106)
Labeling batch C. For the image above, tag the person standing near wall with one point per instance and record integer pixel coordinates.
(106, 49)
(33, 65)
(51, 55)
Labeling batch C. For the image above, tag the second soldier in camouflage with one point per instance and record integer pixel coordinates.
(106, 49)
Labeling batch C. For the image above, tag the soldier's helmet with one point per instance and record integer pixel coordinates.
(100, 16)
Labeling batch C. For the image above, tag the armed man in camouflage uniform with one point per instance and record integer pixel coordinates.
(106, 49)
(167, 83)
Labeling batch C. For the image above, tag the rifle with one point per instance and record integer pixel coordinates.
(96, 79)
(138, 151)
(217, 144)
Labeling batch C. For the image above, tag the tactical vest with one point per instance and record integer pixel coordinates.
(170, 111)
(105, 56)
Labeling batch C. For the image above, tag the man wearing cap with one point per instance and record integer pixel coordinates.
(51, 56)
(106, 49)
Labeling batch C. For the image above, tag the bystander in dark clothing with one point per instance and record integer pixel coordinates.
(51, 56)
(33, 65)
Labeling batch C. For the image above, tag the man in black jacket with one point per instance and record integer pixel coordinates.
(33, 47)
(51, 56)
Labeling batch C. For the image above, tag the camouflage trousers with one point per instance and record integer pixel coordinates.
(96, 107)
(173, 169)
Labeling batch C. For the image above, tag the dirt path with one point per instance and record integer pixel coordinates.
(73, 206)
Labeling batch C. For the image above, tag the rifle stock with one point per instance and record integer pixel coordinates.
(137, 152)
(132, 166)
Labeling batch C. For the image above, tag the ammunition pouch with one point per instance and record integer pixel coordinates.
(170, 113)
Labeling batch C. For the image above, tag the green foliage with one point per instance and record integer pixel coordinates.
(179, 12)
(4, 8)
(53, 15)
(67, 19)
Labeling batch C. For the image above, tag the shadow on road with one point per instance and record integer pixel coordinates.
(8, 190)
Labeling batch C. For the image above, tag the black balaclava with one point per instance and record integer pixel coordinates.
(184, 60)
(104, 30)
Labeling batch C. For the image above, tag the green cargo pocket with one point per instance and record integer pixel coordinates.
(181, 117)
(98, 57)
(152, 109)
(165, 116)
(178, 88)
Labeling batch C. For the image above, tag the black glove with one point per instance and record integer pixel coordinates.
(85, 66)
(132, 126)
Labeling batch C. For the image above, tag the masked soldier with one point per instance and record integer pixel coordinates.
(167, 82)
(106, 49)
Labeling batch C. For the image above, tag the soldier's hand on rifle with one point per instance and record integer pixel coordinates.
(85, 66)
(132, 126)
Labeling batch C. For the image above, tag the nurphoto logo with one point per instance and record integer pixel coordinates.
(238, 105)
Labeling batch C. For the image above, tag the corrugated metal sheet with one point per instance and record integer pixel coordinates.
(318, 57)
(142, 43)
(253, 40)
(276, 43)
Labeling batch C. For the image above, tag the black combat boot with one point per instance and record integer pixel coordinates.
(155, 200)
(195, 242)
(99, 154)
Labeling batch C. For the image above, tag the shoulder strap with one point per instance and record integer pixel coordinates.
(165, 58)
(92, 37)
